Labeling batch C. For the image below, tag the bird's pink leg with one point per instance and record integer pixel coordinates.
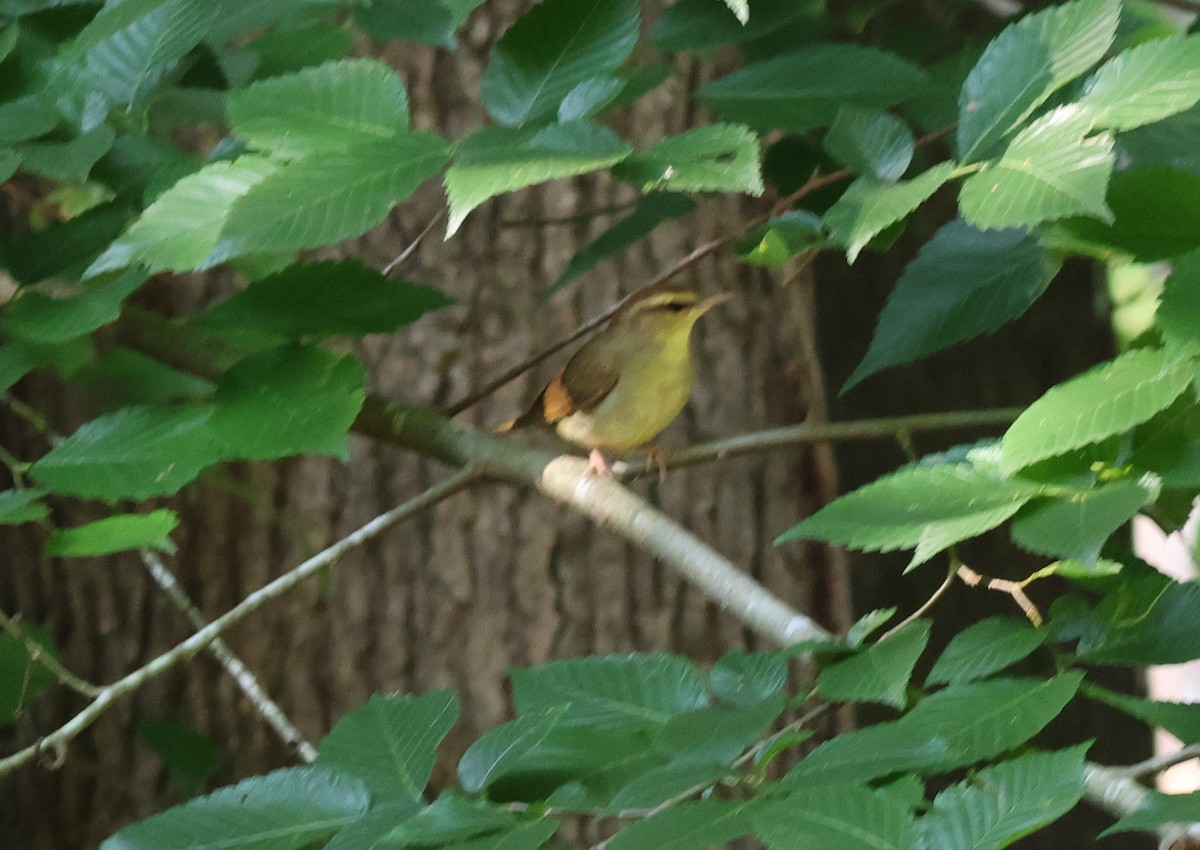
(597, 464)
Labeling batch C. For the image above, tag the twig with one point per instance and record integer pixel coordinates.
(408, 252)
(586, 215)
(1158, 764)
(31, 416)
(929, 603)
(38, 655)
(1003, 585)
(202, 638)
(245, 679)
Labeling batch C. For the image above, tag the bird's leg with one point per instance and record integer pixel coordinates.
(597, 464)
(656, 459)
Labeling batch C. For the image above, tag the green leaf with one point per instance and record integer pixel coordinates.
(651, 211)
(497, 160)
(1025, 64)
(391, 741)
(22, 680)
(18, 506)
(879, 673)
(189, 756)
(321, 109)
(452, 817)
(551, 49)
(1145, 83)
(702, 24)
(1158, 810)
(111, 20)
(367, 832)
(328, 298)
(715, 735)
(985, 648)
(328, 196)
(292, 49)
(62, 248)
(1049, 171)
(1178, 314)
(835, 817)
(659, 784)
(490, 757)
(115, 534)
(286, 401)
(589, 98)
(26, 117)
(691, 825)
(926, 507)
(38, 318)
(1181, 719)
(740, 9)
(748, 679)
(870, 142)
(1168, 142)
(1108, 399)
(720, 158)
(527, 836)
(1004, 802)
(133, 453)
(805, 89)
(286, 810)
(867, 624)
(180, 229)
(1142, 622)
(431, 22)
(869, 206)
(781, 238)
(1075, 526)
(647, 690)
(122, 376)
(70, 161)
(963, 283)
(1156, 215)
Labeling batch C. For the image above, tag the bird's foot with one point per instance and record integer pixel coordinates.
(598, 465)
(656, 459)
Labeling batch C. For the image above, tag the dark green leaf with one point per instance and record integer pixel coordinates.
(1075, 526)
(38, 318)
(115, 534)
(985, 648)
(451, 818)
(700, 24)
(1181, 719)
(18, 506)
(526, 836)
(1179, 309)
(285, 810)
(26, 117)
(878, 673)
(692, 825)
(1168, 142)
(431, 22)
(22, 680)
(188, 755)
(390, 742)
(61, 249)
(805, 89)
(133, 453)
(495, 752)
(1145, 83)
(929, 508)
(367, 832)
(662, 783)
(1108, 399)
(720, 158)
(1141, 622)
(963, 283)
(715, 735)
(651, 211)
(1027, 63)
(325, 299)
(498, 159)
(70, 161)
(123, 377)
(291, 49)
(1158, 810)
(835, 817)
(870, 142)
(551, 49)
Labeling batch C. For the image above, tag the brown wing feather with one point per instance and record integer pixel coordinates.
(581, 385)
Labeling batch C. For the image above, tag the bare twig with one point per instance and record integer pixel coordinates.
(402, 258)
(929, 603)
(1003, 585)
(1158, 764)
(38, 655)
(109, 694)
(242, 675)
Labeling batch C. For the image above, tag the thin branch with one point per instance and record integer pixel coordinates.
(402, 258)
(1158, 764)
(201, 639)
(1005, 586)
(35, 419)
(929, 603)
(38, 655)
(242, 675)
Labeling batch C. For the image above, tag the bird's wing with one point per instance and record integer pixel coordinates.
(587, 378)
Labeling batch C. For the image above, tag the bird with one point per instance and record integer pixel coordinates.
(629, 381)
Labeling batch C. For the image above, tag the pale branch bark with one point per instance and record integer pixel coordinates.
(1158, 764)
(38, 655)
(246, 681)
(201, 639)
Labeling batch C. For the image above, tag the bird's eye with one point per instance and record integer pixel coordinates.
(676, 307)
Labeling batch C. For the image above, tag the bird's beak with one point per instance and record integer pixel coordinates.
(712, 301)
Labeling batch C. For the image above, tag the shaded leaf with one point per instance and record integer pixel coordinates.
(870, 142)
(690, 825)
(878, 673)
(747, 679)
(18, 506)
(1141, 622)
(452, 817)
(869, 206)
(985, 648)
(781, 238)
(433, 22)
(496, 751)
(1075, 526)
(720, 158)
(701, 24)
(1181, 719)
(835, 817)
(39, 318)
(1158, 810)
(1178, 314)
(188, 755)
(69, 161)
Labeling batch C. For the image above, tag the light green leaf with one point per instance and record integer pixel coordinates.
(985, 648)
(805, 89)
(1108, 399)
(493, 754)
(134, 453)
(781, 238)
(1145, 83)
(835, 817)
(651, 211)
(285, 810)
(18, 506)
(113, 18)
(328, 196)
(926, 507)
(870, 142)
(879, 673)
(1049, 171)
(321, 109)
(1075, 526)
(39, 318)
(325, 299)
(115, 534)
(869, 206)
(497, 160)
(286, 401)
(1178, 314)
(1025, 64)
(687, 826)
(963, 283)
(720, 158)
(8, 39)
(552, 48)
(390, 743)
(1004, 802)
(647, 690)
(180, 229)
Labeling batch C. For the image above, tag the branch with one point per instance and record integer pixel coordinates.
(58, 739)
(245, 679)
(38, 654)
(1158, 764)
